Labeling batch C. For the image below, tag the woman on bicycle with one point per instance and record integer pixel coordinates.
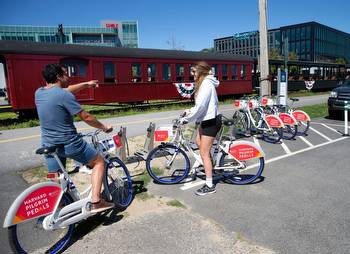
(207, 113)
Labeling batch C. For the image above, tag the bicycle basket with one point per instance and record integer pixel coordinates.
(240, 104)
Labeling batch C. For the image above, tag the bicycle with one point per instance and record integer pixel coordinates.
(44, 214)
(249, 117)
(238, 162)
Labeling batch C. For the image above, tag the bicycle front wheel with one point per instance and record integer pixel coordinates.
(167, 164)
(117, 183)
(303, 127)
(30, 236)
(289, 131)
(246, 173)
(241, 124)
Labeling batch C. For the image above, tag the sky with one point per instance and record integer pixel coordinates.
(191, 24)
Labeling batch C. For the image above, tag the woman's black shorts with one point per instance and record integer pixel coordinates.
(211, 127)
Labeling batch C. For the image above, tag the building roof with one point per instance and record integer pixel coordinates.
(20, 47)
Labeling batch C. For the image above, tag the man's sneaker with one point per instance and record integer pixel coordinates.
(191, 177)
(100, 206)
(205, 189)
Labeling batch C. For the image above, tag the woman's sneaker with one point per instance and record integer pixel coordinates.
(100, 206)
(205, 189)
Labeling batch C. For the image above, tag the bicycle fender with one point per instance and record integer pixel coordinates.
(288, 119)
(245, 150)
(301, 115)
(36, 201)
(274, 121)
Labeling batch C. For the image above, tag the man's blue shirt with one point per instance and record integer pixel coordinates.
(56, 108)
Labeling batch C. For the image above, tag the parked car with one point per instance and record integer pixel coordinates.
(337, 99)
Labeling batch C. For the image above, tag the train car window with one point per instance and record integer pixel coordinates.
(191, 77)
(109, 72)
(224, 72)
(214, 69)
(180, 72)
(166, 72)
(76, 68)
(136, 72)
(151, 72)
(234, 72)
(243, 71)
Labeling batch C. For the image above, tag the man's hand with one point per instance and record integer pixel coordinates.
(92, 83)
(108, 128)
(183, 121)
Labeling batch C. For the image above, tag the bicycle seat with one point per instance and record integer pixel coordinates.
(228, 122)
(294, 99)
(46, 149)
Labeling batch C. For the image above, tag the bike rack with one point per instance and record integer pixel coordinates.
(140, 155)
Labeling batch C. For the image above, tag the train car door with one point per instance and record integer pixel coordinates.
(78, 72)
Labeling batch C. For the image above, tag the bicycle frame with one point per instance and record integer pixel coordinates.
(237, 150)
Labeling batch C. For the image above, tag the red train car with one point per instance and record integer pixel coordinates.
(125, 74)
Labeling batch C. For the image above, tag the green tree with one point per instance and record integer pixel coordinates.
(274, 54)
(208, 50)
(292, 56)
(340, 60)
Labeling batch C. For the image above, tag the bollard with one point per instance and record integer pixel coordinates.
(346, 129)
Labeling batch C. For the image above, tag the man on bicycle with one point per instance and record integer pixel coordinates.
(56, 106)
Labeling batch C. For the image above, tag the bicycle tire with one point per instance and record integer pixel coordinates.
(243, 176)
(289, 132)
(26, 245)
(272, 136)
(303, 127)
(158, 168)
(118, 183)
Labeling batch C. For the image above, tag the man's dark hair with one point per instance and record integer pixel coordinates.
(51, 71)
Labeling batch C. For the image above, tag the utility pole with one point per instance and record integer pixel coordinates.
(265, 86)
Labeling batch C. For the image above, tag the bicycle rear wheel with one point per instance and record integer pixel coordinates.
(117, 183)
(252, 169)
(167, 164)
(30, 236)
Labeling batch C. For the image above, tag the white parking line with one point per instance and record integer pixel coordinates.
(330, 128)
(319, 133)
(285, 148)
(331, 124)
(191, 185)
(256, 141)
(306, 141)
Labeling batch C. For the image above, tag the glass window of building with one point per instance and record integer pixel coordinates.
(243, 71)
(234, 72)
(308, 32)
(166, 72)
(75, 68)
(302, 33)
(151, 72)
(136, 72)
(109, 72)
(180, 72)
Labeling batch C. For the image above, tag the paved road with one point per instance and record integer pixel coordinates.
(17, 150)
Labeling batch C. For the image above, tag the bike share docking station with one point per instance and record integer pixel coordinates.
(346, 128)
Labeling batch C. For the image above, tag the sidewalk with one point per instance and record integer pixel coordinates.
(152, 226)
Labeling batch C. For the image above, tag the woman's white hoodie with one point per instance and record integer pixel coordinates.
(206, 106)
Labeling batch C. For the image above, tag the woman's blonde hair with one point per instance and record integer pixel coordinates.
(203, 69)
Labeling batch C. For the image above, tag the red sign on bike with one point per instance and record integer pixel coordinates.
(274, 121)
(40, 202)
(161, 136)
(244, 152)
(301, 116)
(287, 119)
